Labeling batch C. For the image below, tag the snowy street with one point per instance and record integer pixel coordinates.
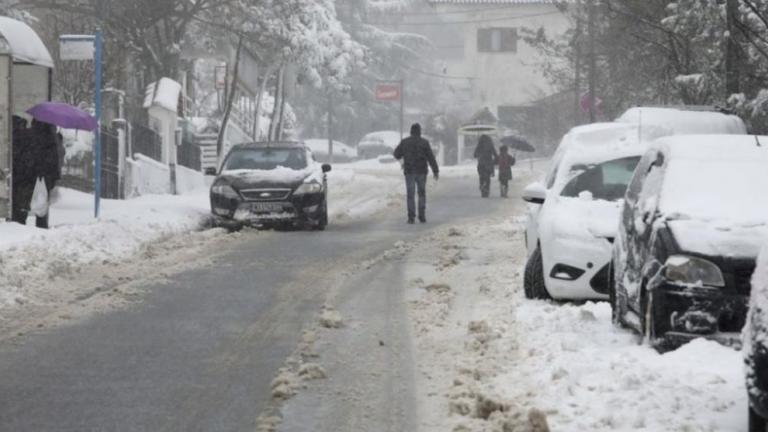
(392, 327)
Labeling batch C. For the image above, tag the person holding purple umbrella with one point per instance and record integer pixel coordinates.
(37, 154)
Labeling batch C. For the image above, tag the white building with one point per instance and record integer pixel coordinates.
(482, 41)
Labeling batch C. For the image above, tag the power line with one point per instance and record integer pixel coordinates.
(442, 23)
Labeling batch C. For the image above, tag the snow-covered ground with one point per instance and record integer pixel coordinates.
(32, 261)
(490, 360)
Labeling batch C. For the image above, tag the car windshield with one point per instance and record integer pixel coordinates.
(606, 181)
(266, 159)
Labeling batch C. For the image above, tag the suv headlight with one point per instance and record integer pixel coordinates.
(224, 190)
(309, 188)
(693, 271)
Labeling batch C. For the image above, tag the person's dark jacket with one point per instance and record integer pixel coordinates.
(416, 154)
(485, 153)
(44, 153)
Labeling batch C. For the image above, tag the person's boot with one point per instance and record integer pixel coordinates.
(411, 221)
(423, 219)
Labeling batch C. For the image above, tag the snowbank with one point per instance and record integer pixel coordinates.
(146, 176)
(490, 360)
(31, 256)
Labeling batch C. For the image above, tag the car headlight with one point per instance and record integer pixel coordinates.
(224, 190)
(694, 271)
(309, 188)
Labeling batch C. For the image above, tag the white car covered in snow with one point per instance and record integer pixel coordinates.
(376, 144)
(341, 152)
(574, 215)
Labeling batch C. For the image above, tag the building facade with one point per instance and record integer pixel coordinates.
(480, 46)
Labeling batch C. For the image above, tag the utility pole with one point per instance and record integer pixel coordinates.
(731, 50)
(577, 66)
(330, 126)
(402, 108)
(592, 60)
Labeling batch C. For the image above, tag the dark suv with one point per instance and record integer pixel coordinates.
(692, 224)
(271, 184)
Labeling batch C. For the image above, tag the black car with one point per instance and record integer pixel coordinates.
(271, 184)
(688, 239)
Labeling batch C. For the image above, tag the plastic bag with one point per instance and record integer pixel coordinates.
(39, 204)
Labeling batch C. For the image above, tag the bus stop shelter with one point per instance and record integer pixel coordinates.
(26, 69)
(481, 123)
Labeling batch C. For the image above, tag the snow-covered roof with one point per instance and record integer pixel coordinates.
(165, 94)
(25, 45)
(681, 122)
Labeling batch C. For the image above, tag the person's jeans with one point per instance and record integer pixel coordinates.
(416, 183)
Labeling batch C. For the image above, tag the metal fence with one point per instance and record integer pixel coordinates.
(77, 172)
(188, 153)
(147, 142)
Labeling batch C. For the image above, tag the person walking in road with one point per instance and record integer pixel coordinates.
(486, 156)
(416, 153)
(505, 162)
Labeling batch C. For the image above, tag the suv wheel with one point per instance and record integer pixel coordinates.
(533, 279)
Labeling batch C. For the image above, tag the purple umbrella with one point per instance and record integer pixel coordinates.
(63, 115)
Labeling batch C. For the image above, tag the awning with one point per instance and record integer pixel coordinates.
(25, 45)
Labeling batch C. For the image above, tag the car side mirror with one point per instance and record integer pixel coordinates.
(535, 193)
(210, 171)
(326, 168)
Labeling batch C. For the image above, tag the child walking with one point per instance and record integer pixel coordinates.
(505, 161)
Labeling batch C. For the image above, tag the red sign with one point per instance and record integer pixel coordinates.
(387, 92)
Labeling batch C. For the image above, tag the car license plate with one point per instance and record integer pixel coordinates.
(267, 207)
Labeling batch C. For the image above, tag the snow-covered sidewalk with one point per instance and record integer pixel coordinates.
(490, 360)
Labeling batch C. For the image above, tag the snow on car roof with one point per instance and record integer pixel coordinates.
(25, 44)
(680, 122)
(724, 148)
(597, 143)
(712, 190)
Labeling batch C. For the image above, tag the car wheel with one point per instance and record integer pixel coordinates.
(756, 422)
(533, 279)
(322, 218)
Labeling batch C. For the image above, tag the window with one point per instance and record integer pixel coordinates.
(606, 181)
(497, 39)
(266, 159)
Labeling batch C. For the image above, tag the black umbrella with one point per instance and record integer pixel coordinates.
(517, 143)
